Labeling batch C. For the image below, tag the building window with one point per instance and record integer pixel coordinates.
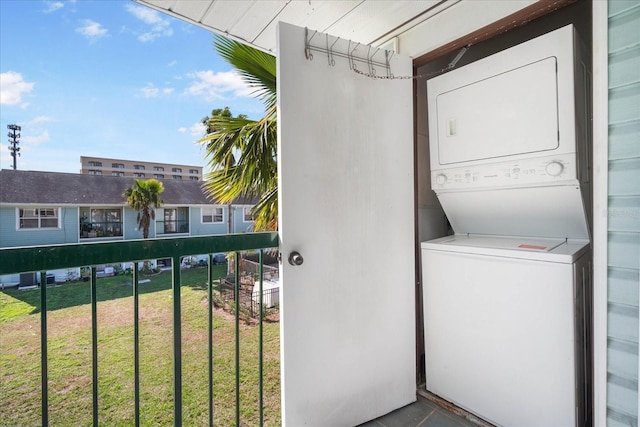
(94, 172)
(100, 222)
(212, 215)
(193, 178)
(194, 171)
(158, 168)
(38, 218)
(177, 177)
(95, 164)
(117, 165)
(158, 176)
(138, 175)
(176, 220)
(138, 167)
(247, 215)
(117, 173)
(178, 170)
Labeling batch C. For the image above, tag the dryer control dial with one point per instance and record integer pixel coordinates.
(441, 179)
(554, 168)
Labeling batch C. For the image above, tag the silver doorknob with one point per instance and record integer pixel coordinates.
(295, 258)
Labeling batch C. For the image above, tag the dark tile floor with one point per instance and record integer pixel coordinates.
(423, 413)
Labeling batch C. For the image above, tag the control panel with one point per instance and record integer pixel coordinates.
(535, 171)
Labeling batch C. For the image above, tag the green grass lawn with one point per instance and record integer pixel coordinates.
(69, 338)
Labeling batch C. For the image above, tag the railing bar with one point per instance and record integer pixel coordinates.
(210, 337)
(94, 343)
(237, 326)
(136, 345)
(261, 339)
(177, 343)
(53, 257)
(43, 349)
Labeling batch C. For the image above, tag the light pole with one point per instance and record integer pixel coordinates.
(13, 142)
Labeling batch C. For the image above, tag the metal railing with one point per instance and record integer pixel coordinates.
(47, 258)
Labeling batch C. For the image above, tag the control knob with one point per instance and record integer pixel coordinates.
(441, 179)
(554, 168)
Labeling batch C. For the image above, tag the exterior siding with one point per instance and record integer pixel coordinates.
(198, 228)
(240, 226)
(130, 225)
(10, 236)
(623, 212)
(7, 226)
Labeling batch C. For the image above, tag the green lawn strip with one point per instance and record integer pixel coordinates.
(69, 325)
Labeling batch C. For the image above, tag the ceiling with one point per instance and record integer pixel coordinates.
(374, 22)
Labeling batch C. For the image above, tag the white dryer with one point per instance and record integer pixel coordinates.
(507, 298)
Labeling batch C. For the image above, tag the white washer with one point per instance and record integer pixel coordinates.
(505, 329)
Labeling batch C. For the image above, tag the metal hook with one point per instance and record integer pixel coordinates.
(353, 61)
(332, 62)
(307, 44)
(372, 69)
(387, 59)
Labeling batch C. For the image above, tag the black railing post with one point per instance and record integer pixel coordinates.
(237, 328)
(261, 338)
(136, 344)
(43, 349)
(210, 336)
(94, 344)
(177, 343)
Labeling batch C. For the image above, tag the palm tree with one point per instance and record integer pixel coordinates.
(241, 153)
(144, 197)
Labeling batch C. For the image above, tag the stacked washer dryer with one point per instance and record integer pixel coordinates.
(507, 297)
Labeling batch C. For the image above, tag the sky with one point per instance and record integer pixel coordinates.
(108, 78)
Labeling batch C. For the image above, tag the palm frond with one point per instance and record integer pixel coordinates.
(256, 67)
(240, 152)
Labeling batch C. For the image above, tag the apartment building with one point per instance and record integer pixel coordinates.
(139, 169)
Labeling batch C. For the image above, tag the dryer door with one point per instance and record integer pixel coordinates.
(515, 112)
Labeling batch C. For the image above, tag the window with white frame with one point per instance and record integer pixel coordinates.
(247, 215)
(95, 164)
(212, 215)
(32, 218)
(117, 165)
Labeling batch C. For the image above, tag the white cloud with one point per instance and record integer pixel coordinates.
(40, 119)
(197, 129)
(150, 91)
(52, 6)
(158, 25)
(36, 139)
(172, 63)
(13, 87)
(217, 85)
(182, 129)
(92, 30)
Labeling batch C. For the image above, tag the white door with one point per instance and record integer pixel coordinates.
(346, 196)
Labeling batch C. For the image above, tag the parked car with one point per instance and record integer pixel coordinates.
(219, 259)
